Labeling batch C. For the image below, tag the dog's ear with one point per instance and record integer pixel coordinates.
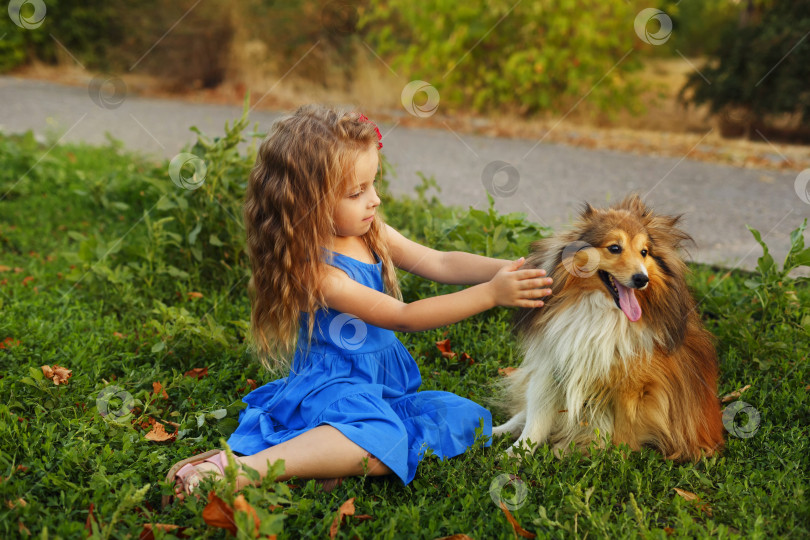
(670, 221)
(587, 211)
(663, 228)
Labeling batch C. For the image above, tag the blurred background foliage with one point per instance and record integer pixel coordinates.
(761, 69)
(493, 57)
(531, 56)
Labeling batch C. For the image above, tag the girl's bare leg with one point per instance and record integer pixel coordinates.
(321, 452)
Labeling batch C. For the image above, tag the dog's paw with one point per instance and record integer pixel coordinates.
(519, 449)
(501, 430)
(506, 455)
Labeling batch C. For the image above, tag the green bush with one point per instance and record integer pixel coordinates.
(118, 36)
(12, 46)
(190, 233)
(529, 56)
(762, 68)
(699, 27)
(89, 29)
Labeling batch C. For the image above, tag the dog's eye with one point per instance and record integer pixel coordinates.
(643, 252)
(615, 249)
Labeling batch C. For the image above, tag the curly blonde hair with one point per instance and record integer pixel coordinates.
(302, 170)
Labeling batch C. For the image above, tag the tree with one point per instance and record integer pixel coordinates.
(763, 67)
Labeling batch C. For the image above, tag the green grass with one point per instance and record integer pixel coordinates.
(60, 455)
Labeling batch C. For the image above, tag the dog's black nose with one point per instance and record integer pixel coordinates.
(640, 280)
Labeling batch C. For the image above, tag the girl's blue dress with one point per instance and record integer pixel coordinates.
(361, 380)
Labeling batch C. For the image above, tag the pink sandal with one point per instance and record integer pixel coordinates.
(185, 469)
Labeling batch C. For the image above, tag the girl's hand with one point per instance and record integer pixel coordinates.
(519, 288)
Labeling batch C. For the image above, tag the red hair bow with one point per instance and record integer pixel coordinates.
(363, 118)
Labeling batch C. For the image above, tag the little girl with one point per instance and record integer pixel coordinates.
(324, 291)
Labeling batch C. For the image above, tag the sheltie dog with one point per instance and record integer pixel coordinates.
(619, 347)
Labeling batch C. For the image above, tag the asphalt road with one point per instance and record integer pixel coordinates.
(548, 182)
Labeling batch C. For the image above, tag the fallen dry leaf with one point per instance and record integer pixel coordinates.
(689, 496)
(57, 373)
(146, 423)
(455, 537)
(158, 390)
(119, 335)
(23, 529)
(195, 295)
(9, 342)
(735, 394)
(158, 434)
(346, 509)
(251, 383)
(218, 514)
(466, 359)
(515, 525)
(506, 371)
(241, 505)
(444, 348)
(197, 372)
(5, 268)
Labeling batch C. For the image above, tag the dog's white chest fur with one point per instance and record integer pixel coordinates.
(581, 345)
(567, 363)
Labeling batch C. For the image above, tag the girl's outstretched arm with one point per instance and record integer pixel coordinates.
(450, 267)
(509, 287)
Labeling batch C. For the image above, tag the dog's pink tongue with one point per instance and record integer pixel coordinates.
(628, 302)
